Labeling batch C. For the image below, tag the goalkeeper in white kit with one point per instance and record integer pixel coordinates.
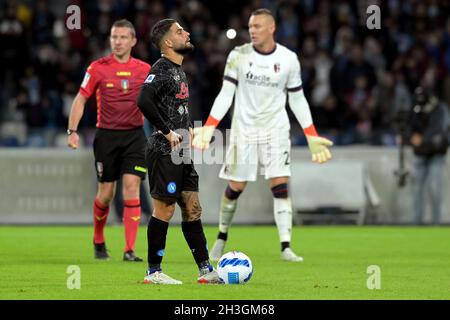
(258, 75)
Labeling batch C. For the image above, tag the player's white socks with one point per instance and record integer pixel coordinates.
(282, 211)
(226, 213)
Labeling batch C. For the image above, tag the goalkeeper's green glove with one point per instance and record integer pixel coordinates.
(202, 137)
(319, 148)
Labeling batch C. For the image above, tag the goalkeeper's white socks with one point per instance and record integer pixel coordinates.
(282, 211)
(283, 218)
(226, 213)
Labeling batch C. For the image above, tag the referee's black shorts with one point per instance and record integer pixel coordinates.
(118, 152)
(168, 179)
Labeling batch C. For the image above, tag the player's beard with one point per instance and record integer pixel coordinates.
(188, 47)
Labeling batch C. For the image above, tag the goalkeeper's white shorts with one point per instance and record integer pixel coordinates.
(243, 160)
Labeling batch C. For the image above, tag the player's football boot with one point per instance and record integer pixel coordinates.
(209, 277)
(289, 255)
(217, 250)
(160, 278)
(130, 256)
(100, 251)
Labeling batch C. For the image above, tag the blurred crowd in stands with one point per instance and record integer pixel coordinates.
(356, 79)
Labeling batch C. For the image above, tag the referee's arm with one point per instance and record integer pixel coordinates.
(76, 113)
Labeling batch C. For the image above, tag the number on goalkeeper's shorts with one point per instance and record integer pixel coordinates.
(288, 160)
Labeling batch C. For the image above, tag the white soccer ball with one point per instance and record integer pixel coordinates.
(235, 268)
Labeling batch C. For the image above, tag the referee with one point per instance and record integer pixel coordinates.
(120, 140)
(164, 101)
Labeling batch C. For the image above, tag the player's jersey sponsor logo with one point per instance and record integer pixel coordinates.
(184, 92)
(259, 80)
(171, 187)
(123, 73)
(110, 85)
(249, 75)
(149, 78)
(85, 82)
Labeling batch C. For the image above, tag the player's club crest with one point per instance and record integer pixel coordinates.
(276, 67)
(172, 187)
(125, 85)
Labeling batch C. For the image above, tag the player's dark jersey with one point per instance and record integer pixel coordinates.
(164, 101)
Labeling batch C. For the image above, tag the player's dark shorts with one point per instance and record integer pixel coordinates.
(118, 152)
(167, 180)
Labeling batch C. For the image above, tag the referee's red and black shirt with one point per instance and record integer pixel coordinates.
(116, 86)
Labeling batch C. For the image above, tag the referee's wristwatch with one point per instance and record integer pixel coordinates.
(70, 131)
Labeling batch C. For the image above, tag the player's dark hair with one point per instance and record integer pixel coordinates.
(159, 30)
(124, 23)
(261, 11)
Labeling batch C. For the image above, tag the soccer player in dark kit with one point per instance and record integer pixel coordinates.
(119, 140)
(164, 102)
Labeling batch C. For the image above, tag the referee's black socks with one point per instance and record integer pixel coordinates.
(196, 240)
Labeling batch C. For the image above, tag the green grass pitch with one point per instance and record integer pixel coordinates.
(414, 264)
